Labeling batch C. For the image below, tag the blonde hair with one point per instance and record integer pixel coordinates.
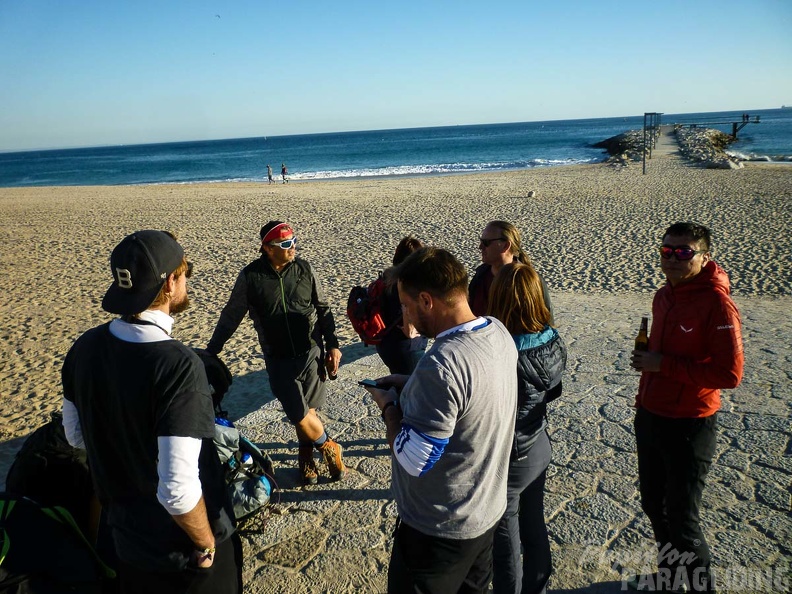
(163, 295)
(512, 235)
(516, 299)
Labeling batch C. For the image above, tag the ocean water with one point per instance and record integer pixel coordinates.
(417, 151)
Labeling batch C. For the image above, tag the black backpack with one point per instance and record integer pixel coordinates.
(50, 471)
(219, 377)
(43, 551)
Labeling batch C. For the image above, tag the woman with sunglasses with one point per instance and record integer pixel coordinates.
(401, 347)
(500, 244)
(517, 300)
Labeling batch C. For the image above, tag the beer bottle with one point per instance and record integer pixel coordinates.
(330, 376)
(642, 340)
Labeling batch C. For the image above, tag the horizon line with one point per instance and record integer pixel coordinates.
(265, 136)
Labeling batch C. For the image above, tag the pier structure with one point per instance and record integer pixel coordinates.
(735, 126)
(652, 126)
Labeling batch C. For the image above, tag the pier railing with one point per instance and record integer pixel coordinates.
(651, 127)
(736, 126)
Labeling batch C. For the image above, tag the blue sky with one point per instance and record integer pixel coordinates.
(95, 72)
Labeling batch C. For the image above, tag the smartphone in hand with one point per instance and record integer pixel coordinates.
(370, 383)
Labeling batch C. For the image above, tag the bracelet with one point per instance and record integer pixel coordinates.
(386, 406)
(206, 552)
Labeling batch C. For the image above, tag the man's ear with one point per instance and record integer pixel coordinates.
(170, 283)
(425, 300)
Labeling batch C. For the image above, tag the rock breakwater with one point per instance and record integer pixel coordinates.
(627, 147)
(706, 146)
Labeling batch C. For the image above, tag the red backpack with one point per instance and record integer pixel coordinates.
(364, 309)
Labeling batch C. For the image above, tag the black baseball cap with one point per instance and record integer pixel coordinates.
(140, 265)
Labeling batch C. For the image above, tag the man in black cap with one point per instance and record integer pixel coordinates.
(139, 402)
(287, 305)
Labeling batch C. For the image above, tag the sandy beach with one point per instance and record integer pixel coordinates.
(592, 232)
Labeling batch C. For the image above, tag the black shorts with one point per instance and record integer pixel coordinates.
(423, 563)
(296, 384)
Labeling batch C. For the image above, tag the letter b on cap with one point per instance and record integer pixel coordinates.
(124, 278)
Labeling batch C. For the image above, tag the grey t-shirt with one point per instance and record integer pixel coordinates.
(464, 389)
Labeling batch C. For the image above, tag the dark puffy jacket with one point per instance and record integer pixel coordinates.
(541, 362)
(479, 287)
(288, 309)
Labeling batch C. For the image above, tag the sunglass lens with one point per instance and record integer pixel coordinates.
(681, 253)
(188, 274)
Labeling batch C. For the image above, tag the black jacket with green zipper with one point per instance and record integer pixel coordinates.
(288, 308)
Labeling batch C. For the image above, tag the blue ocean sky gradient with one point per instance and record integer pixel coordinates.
(374, 153)
(94, 73)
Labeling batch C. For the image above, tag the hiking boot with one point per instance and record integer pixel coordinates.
(331, 452)
(307, 464)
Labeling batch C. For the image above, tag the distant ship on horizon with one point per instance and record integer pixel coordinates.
(786, 107)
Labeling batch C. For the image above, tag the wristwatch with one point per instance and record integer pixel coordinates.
(386, 406)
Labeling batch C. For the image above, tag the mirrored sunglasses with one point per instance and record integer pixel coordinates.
(681, 253)
(286, 244)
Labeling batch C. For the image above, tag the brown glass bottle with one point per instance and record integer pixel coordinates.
(330, 376)
(642, 340)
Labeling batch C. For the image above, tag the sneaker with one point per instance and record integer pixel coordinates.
(307, 464)
(331, 452)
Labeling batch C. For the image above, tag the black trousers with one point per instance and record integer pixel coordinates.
(223, 577)
(523, 526)
(434, 565)
(674, 456)
(399, 353)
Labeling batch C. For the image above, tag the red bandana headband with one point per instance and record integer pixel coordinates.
(278, 232)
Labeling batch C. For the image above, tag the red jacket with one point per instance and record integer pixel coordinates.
(697, 328)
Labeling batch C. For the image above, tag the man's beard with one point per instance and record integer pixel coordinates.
(179, 306)
(422, 325)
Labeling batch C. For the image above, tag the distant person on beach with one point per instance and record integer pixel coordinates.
(269, 175)
(695, 349)
(139, 402)
(516, 299)
(284, 173)
(450, 491)
(500, 244)
(401, 347)
(290, 314)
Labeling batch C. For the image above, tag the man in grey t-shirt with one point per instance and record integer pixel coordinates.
(450, 429)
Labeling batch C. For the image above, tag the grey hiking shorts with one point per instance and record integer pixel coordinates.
(296, 384)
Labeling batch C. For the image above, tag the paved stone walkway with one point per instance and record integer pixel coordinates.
(335, 537)
(666, 143)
